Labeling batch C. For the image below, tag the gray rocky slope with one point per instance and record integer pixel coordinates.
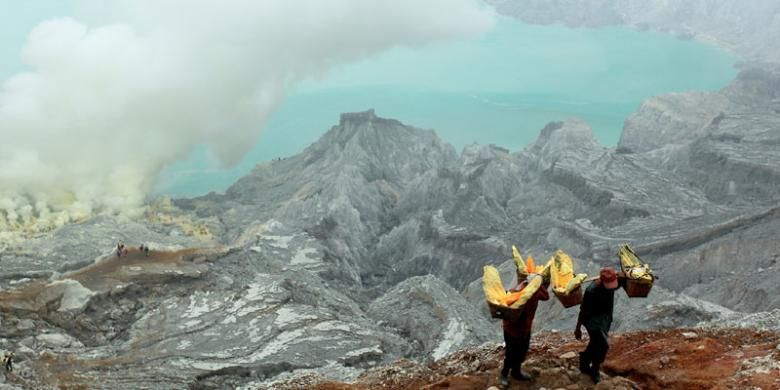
(321, 261)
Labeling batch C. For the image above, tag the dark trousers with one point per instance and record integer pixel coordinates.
(515, 352)
(596, 351)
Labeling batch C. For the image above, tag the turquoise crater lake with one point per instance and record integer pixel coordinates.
(500, 88)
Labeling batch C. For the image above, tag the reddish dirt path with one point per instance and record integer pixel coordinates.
(670, 359)
(118, 270)
(724, 359)
(108, 273)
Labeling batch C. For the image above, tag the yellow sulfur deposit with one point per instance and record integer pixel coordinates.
(495, 293)
(562, 276)
(492, 286)
(642, 273)
(545, 271)
(628, 258)
(530, 266)
(574, 283)
(633, 267)
(535, 269)
(519, 263)
(527, 292)
(527, 267)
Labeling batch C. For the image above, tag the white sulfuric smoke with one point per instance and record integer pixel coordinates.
(105, 105)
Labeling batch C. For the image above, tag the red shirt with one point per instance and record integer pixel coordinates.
(523, 326)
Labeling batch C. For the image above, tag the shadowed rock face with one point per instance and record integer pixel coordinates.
(319, 263)
(436, 316)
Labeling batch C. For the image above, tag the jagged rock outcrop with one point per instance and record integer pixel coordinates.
(763, 321)
(434, 315)
(670, 119)
(341, 189)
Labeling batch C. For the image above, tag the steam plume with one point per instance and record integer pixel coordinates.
(105, 106)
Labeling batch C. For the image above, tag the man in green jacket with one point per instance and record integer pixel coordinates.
(596, 314)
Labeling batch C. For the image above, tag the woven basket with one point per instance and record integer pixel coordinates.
(573, 299)
(636, 289)
(505, 313)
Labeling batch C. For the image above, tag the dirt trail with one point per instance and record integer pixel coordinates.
(119, 270)
(110, 272)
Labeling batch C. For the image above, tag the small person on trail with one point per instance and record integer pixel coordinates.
(146, 250)
(8, 361)
(119, 247)
(596, 314)
(517, 334)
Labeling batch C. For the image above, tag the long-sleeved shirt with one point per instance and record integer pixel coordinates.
(523, 325)
(597, 306)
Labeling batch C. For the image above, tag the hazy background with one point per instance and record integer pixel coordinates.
(131, 97)
(501, 87)
(108, 97)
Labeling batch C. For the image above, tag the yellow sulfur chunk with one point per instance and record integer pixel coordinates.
(628, 258)
(527, 292)
(633, 267)
(545, 271)
(492, 286)
(495, 293)
(574, 283)
(511, 297)
(641, 273)
(519, 263)
(561, 272)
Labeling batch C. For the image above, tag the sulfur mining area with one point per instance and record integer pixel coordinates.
(358, 262)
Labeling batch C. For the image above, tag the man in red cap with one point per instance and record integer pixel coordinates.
(596, 315)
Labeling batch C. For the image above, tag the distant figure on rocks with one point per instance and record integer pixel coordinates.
(146, 250)
(517, 334)
(596, 314)
(119, 248)
(8, 361)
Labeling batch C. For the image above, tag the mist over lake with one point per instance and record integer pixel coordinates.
(500, 88)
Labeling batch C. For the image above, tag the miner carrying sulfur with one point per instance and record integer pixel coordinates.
(596, 315)
(8, 361)
(517, 334)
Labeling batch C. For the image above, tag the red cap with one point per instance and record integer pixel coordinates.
(608, 278)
